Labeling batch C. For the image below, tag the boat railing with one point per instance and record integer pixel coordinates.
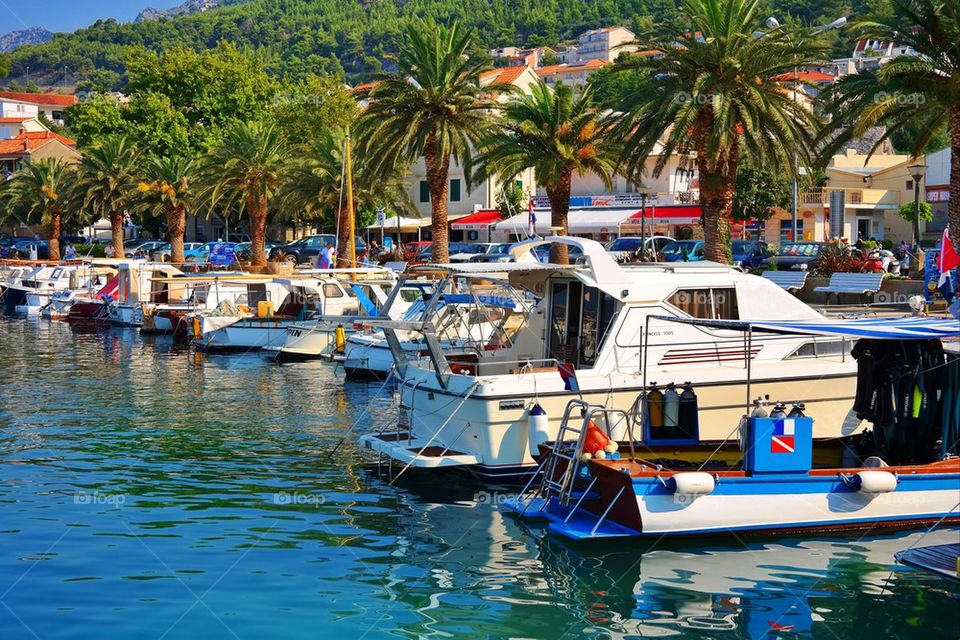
(498, 367)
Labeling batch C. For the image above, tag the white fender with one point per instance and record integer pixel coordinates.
(539, 429)
(693, 483)
(876, 482)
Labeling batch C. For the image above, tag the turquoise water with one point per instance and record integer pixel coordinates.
(148, 492)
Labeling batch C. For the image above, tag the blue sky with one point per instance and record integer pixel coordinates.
(67, 15)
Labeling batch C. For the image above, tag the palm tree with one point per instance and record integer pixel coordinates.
(558, 136)
(314, 185)
(244, 171)
(39, 193)
(716, 91)
(922, 90)
(169, 188)
(106, 181)
(432, 107)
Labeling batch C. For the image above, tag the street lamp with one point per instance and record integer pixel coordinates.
(917, 172)
(773, 24)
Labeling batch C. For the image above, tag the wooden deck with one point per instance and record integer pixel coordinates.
(942, 560)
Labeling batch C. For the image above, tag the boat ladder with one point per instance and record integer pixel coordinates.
(561, 467)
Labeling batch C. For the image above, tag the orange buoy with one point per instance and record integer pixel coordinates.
(596, 440)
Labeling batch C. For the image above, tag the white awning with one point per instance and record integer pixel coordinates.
(407, 225)
(578, 221)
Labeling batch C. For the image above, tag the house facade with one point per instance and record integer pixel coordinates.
(49, 105)
(600, 44)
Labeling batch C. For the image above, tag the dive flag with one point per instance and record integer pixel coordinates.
(782, 439)
(948, 261)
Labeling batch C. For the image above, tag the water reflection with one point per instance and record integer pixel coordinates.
(150, 490)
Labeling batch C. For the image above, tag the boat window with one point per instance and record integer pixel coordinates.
(256, 293)
(820, 348)
(331, 290)
(708, 304)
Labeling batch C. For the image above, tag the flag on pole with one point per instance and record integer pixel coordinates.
(947, 262)
(532, 218)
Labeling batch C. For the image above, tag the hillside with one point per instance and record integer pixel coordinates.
(346, 37)
(184, 9)
(22, 38)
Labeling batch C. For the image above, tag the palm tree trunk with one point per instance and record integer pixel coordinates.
(176, 227)
(953, 206)
(438, 170)
(344, 240)
(257, 211)
(559, 196)
(55, 224)
(116, 224)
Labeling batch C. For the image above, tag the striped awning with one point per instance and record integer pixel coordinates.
(909, 328)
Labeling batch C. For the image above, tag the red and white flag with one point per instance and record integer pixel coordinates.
(949, 259)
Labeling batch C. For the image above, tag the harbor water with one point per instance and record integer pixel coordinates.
(152, 492)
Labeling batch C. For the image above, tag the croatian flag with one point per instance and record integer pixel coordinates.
(949, 260)
(532, 218)
(783, 434)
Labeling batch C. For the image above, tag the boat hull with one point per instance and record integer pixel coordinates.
(490, 423)
(246, 335)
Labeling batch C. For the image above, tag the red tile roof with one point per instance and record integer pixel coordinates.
(29, 141)
(13, 120)
(807, 76)
(556, 69)
(505, 75)
(55, 99)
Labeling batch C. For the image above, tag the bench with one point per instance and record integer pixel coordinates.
(792, 281)
(861, 284)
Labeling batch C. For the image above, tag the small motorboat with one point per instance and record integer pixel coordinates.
(600, 480)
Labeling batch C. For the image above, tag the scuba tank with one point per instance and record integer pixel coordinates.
(671, 407)
(758, 408)
(779, 410)
(797, 411)
(655, 407)
(688, 411)
(538, 426)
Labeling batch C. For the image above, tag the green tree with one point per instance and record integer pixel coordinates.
(432, 107)
(718, 94)
(511, 199)
(94, 118)
(758, 192)
(39, 194)
(921, 91)
(909, 212)
(307, 110)
(557, 136)
(211, 89)
(169, 189)
(107, 179)
(244, 173)
(5, 65)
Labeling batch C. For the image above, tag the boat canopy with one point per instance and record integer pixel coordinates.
(907, 328)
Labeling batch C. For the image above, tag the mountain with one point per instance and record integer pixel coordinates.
(24, 37)
(184, 9)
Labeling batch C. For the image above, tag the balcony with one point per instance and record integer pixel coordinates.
(850, 196)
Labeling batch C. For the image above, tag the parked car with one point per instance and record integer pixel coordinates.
(65, 240)
(683, 250)
(162, 253)
(201, 253)
(496, 253)
(749, 254)
(142, 249)
(21, 249)
(246, 248)
(305, 250)
(625, 248)
(796, 256)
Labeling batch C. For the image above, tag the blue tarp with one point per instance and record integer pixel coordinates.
(874, 328)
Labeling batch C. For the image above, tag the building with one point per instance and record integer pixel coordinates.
(866, 191)
(10, 108)
(937, 192)
(517, 57)
(49, 105)
(29, 146)
(11, 127)
(600, 44)
(574, 75)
